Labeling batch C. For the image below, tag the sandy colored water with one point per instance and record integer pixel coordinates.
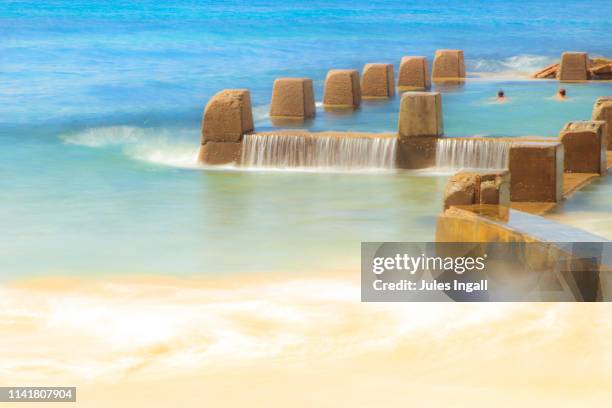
(273, 340)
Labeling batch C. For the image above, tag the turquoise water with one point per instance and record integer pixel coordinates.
(100, 104)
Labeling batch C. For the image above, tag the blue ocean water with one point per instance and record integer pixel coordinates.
(100, 105)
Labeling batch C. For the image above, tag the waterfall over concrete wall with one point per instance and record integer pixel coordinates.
(455, 154)
(318, 151)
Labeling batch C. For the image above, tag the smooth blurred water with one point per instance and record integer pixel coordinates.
(100, 104)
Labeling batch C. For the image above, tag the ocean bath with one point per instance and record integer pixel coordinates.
(135, 270)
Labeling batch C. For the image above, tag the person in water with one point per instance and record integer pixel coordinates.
(501, 96)
(561, 94)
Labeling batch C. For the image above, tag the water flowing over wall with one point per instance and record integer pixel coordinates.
(308, 151)
(455, 154)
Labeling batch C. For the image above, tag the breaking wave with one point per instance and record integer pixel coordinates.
(518, 65)
(167, 147)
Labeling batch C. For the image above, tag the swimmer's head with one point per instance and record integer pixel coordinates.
(500, 93)
(562, 92)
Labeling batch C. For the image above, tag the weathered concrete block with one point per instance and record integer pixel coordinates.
(293, 98)
(461, 189)
(602, 110)
(220, 152)
(495, 188)
(467, 188)
(416, 152)
(421, 114)
(585, 147)
(342, 89)
(448, 64)
(228, 116)
(413, 74)
(536, 170)
(377, 81)
(574, 66)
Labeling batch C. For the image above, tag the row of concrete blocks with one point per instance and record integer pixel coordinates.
(294, 97)
(535, 169)
(228, 117)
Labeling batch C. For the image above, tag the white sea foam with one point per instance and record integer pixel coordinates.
(167, 147)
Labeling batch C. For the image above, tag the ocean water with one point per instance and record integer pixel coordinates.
(101, 102)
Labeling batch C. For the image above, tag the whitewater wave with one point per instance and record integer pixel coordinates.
(518, 65)
(167, 147)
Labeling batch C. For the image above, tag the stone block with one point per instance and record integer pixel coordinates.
(495, 188)
(602, 110)
(448, 64)
(342, 89)
(536, 170)
(461, 189)
(293, 98)
(416, 152)
(467, 188)
(585, 147)
(228, 116)
(220, 153)
(574, 66)
(420, 114)
(413, 74)
(377, 81)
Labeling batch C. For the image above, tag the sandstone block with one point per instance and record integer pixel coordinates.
(228, 116)
(466, 188)
(293, 98)
(585, 147)
(421, 114)
(220, 153)
(495, 188)
(602, 110)
(416, 152)
(413, 74)
(342, 89)
(377, 81)
(574, 66)
(448, 64)
(461, 189)
(536, 170)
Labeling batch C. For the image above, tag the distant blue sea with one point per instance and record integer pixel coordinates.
(101, 101)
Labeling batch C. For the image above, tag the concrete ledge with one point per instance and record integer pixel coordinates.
(413, 74)
(448, 64)
(293, 98)
(342, 89)
(574, 67)
(377, 81)
(537, 172)
(220, 152)
(602, 110)
(585, 147)
(227, 116)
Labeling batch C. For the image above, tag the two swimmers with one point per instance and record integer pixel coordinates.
(561, 95)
